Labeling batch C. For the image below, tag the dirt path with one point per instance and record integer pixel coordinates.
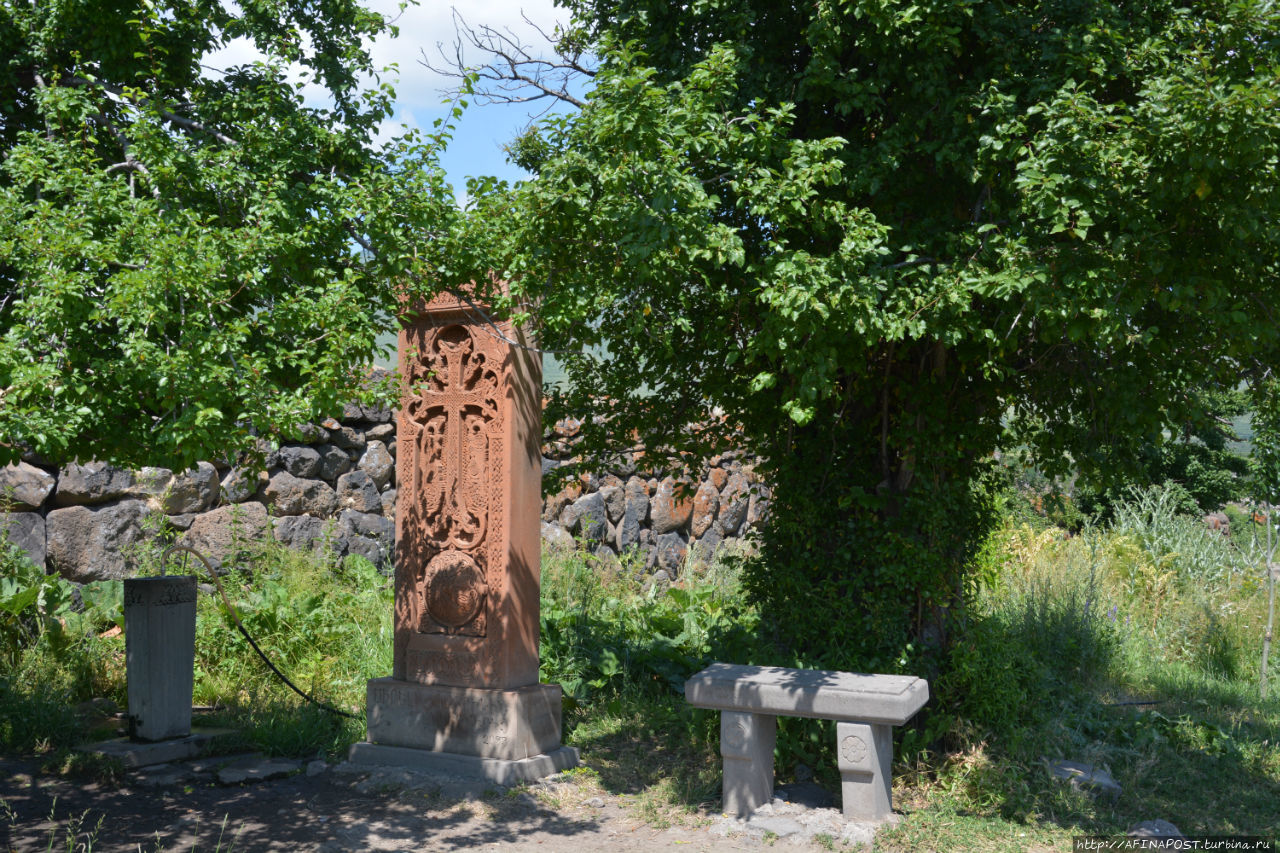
(333, 809)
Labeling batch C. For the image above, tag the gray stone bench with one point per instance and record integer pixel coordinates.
(750, 699)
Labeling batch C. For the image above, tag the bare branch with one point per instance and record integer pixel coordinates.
(48, 128)
(192, 124)
(514, 73)
(130, 162)
(167, 115)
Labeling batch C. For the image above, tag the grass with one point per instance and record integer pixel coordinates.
(1066, 634)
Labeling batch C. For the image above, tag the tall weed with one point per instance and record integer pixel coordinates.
(1176, 543)
(604, 631)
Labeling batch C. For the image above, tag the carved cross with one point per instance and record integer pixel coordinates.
(455, 386)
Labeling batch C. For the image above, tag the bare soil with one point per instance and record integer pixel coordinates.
(335, 808)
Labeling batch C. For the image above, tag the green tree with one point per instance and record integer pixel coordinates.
(875, 240)
(192, 257)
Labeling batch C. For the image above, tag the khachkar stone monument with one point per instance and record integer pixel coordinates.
(464, 696)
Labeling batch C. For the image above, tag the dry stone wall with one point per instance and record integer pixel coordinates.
(336, 490)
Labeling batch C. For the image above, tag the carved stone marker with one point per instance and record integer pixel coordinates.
(160, 644)
(464, 695)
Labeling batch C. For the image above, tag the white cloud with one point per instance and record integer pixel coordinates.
(391, 128)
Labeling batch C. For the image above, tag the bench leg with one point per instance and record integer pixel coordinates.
(746, 744)
(864, 753)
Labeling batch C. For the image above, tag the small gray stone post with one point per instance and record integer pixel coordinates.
(160, 642)
(746, 745)
(864, 753)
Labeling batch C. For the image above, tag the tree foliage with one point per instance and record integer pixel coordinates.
(191, 256)
(875, 240)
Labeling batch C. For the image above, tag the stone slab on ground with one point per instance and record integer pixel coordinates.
(132, 753)
(1154, 829)
(162, 775)
(1086, 777)
(799, 824)
(257, 768)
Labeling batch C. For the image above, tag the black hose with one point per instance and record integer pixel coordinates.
(235, 617)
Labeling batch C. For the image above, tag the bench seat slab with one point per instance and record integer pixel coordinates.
(823, 694)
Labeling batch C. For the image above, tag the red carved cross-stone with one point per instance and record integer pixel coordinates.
(465, 669)
(469, 408)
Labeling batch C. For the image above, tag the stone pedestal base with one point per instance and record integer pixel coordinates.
(496, 734)
(497, 770)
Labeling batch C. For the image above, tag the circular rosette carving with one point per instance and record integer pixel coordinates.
(854, 749)
(454, 590)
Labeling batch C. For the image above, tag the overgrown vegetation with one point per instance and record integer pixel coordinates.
(875, 242)
(1134, 646)
(325, 622)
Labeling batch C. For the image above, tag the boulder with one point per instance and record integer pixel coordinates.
(556, 538)
(615, 501)
(734, 502)
(706, 501)
(92, 544)
(228, 534)
(300, 461)
(370, 549)
(606, 559)
(587, 517)
(306, 533)
(635, 512)
(378, 413)
(150, 484)
(758, 506)
(26, 531)
(373, 525)
(389, 503)
(356, 490)
(708, 544)
(24, 486)
(239, 485)
(289, 495)
(553, 507)
(334, 462)
(312, 434)
(193, 490)
(92, 483)
(380, 432)
(368, 535)
(668, 508)
(718, 477)
(377, 463)
(181, 522)
(344, 436)
(671, 550)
